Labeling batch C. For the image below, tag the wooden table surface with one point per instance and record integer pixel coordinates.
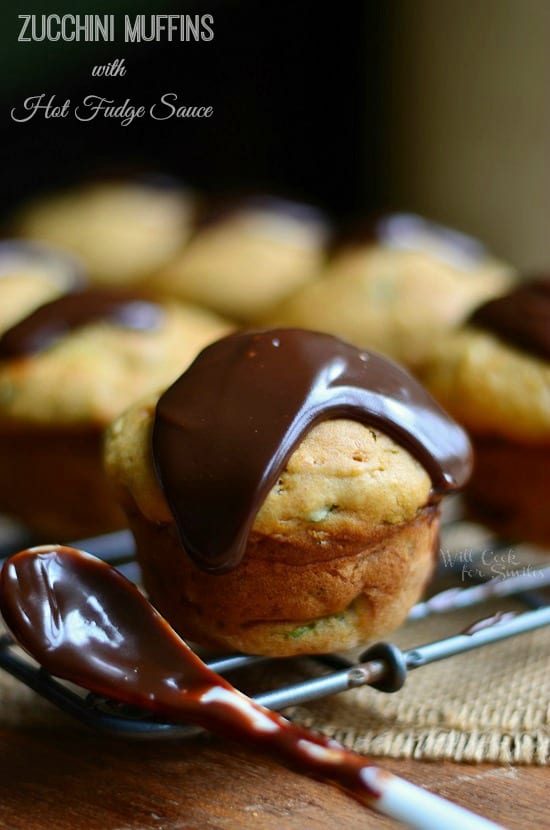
(66, 778)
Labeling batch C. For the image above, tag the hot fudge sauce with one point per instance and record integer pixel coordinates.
(85, 622)
(225, 429)
(521, 317)
(52, 321)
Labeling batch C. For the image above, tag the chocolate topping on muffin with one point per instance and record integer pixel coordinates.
(52, 321)
(522, 317)
(225, 430)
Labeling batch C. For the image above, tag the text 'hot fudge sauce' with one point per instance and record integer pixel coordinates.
(521, 317)
(85, 622)
(52, 321)
(225, 429)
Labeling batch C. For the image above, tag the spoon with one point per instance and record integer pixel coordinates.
(85, 622)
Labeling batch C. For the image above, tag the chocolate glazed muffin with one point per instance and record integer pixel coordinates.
(66, 371)
(284, 492)
(493, 375)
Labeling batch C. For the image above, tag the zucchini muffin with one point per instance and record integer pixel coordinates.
(30, 275)
(396, 287)
(284, 493)
(493, 375)
(122, 231)
(66, 371)
(247, 256)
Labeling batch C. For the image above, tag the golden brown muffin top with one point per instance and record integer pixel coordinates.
(392, 300)
(490, 386)
(122, 231)
(247, 260)
(342, 472)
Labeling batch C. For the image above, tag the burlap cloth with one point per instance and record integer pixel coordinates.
(492, 704)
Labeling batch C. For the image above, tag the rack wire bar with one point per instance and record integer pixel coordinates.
(383, 666)
(454, 598)
(85, 708)
(117, 545)
(392, 664)
(451, 599)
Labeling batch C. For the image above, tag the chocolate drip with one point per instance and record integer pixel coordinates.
(52, 321)
(487, 622)
(85, 622)
(521, 317)
(225, 430)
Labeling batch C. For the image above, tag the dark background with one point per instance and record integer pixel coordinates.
(297, 91)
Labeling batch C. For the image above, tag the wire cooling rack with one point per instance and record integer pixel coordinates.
(485, 569)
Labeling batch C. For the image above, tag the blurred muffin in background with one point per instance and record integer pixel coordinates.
(493, 375)
(396, 286)
(65, 372)
(248, 255)
(121, 230)
(30, 275)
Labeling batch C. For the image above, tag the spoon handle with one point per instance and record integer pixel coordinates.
(234, 715)
(419, 808)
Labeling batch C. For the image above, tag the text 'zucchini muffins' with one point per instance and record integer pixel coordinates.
(65, 372)
(284, 492)
(395, 286)
(493, 375)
